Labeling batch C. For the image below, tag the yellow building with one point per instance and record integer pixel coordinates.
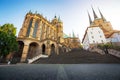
(40, 36)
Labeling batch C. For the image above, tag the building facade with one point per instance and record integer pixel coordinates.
(94, 35)
(40, 36)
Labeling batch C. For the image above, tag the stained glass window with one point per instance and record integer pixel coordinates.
(29, 27)
(35, 29)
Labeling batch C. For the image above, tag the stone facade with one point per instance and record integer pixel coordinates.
(40, 36)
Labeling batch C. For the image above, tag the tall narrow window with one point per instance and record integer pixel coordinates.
(29, 27)
(35, 29)
(102, 41)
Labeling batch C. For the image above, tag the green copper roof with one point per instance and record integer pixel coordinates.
(65, 35)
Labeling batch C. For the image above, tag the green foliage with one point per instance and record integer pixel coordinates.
(108, 46)
(9, 28)
(8, 41)
(81, 47)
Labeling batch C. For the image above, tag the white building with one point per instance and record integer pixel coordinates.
(93, 36)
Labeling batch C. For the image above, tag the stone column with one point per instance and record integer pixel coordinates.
(42, 32)
(48, 50)
(25, 52)
(41, 29)
(45, 31)
(49, 33)
(32, 29)
(24, 31)
(48, 47)
(57, 49)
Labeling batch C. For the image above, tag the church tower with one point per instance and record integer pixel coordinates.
(59, 25)
(102, 23)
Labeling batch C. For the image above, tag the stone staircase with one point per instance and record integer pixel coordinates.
(78, 56)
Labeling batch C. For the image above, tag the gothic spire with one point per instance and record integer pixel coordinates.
(73, 35)
(69, 34)
(30, 11)
(59, 19)
(35, 12)
(90, 20)
(95, 16)
(55, 16)
(101, 15)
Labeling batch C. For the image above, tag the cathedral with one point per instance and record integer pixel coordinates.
(40, 36)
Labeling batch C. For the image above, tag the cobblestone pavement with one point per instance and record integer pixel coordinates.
(60, 72)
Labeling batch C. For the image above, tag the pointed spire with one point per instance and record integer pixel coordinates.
(69, 35)
(35, 12)
(90, 20)
(73, 35)
(49, 20)
(45, 17)
(101, 15)
(55, 16)
(59, 19)
(30, 11)
(95, 16)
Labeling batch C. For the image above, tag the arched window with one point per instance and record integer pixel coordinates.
(35, 29)
(29, 27)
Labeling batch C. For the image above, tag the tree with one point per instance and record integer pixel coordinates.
(8, 41)
(105, 47)
(9, 28)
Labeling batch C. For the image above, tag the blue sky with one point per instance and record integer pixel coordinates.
(73, 13)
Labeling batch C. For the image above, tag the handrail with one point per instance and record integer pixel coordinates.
(36, 58)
